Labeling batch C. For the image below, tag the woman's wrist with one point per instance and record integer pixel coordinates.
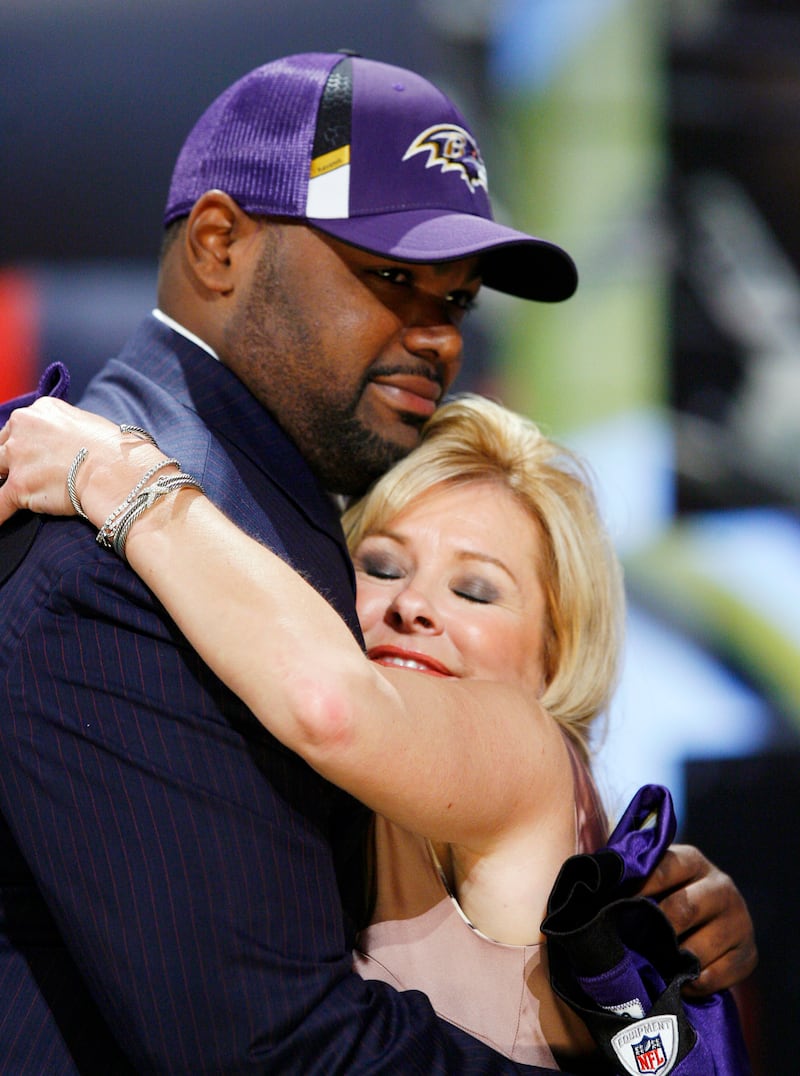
(113, 534)
(109, 473)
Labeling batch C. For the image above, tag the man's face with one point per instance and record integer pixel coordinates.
(349, 351)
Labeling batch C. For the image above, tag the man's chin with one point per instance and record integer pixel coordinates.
(350, 458)
(352, 474)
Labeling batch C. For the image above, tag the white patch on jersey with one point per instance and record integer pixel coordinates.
(648, 1046)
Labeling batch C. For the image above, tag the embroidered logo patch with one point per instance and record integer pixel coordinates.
(648, 1046)
(452, 149)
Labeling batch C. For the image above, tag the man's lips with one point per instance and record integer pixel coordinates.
(413, 393)
(396, 658)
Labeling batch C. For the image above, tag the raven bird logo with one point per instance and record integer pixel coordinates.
(452, 149)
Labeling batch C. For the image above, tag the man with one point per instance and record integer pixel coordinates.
(173, 873)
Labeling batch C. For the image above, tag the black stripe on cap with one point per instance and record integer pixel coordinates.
(335, 109)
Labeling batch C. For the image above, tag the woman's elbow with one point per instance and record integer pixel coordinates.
(324, 718)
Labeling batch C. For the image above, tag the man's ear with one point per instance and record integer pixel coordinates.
(216, 230)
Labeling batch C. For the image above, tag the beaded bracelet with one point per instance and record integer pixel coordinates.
(110, 524)
(144, 500)
(114, 532)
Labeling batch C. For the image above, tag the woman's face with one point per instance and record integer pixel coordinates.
(450, 586)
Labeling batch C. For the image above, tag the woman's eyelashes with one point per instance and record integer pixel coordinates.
(384, 565)
(380, 559)
(379, 565)
(477, 590)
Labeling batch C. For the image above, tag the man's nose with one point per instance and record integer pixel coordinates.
(438, 342)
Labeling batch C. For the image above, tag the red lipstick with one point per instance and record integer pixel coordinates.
(396, 658)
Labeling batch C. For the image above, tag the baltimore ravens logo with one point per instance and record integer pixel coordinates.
(452, 149)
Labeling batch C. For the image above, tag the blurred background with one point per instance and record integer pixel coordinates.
(659, 141)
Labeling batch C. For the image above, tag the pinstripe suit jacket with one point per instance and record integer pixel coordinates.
(169, 899)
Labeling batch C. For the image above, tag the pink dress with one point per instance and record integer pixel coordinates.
(419, 939)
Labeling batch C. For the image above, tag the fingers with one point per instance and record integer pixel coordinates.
(708, 914)
(7, 506)
(732, 967)
(674, 869)
(40, 446)
(30, 460)
(711, 920)
(8, 502)
(3, 453)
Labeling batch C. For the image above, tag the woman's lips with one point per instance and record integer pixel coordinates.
(394, 657)
(412, 393)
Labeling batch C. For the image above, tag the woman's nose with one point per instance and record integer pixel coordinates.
(412, 611)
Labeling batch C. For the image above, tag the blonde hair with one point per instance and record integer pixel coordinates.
(471, 439)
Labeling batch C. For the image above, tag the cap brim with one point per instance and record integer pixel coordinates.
(511, 261)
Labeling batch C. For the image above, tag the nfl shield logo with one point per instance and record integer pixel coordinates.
(648, 1046)
(649, 1054)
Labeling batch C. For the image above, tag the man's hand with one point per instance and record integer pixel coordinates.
(709, 915)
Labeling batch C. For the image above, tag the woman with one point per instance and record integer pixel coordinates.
(488, 512)
(493, 577)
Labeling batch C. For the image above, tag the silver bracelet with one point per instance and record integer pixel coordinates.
(110, 523)
(127, 427)
(73, 496)
(74, 500)
(145, 499)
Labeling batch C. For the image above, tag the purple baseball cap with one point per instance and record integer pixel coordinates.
(371, 154)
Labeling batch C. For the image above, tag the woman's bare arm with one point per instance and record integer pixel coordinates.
(702, 903)
(423, 751)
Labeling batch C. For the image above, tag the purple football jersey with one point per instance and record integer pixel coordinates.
(615, 960)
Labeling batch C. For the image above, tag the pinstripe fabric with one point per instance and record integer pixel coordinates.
(178, 865)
